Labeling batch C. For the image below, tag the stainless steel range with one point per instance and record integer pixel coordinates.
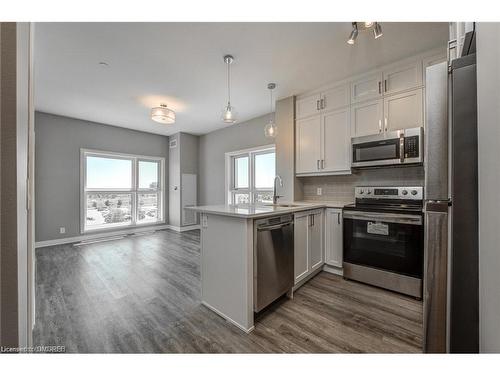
(383, 238)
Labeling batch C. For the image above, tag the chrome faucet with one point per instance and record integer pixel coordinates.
(275, 197)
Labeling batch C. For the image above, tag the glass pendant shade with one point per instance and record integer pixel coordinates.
(163, 115)
(271, 130)
(229, 114)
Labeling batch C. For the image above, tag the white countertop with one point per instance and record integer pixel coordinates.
(252, 211)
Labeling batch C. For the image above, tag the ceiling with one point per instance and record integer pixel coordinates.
(181, 65)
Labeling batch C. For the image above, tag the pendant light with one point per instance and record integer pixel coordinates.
(271, 130)
(162, 114)
(229, 113)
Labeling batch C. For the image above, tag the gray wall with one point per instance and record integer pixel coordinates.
(8, 188)
(214, 145)
(488, 97)
(57, 167)
(182, 159)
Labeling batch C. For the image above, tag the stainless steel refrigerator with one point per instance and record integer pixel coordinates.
(451, 301)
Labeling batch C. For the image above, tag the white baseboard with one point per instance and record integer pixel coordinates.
(185, 228)
(332, 269)
(84, 237)
(244, 329)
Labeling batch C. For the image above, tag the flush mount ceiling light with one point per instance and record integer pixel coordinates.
(271, 130)
(363, 26)
(162, 114)
(229, 112)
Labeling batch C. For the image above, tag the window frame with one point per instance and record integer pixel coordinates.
(230, 174)
(134, 191)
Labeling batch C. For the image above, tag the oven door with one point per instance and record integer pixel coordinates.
(387, 241)
(377, 152)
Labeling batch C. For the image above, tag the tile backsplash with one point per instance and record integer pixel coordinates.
(341, 188)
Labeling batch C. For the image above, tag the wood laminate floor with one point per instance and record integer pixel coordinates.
(142, 294)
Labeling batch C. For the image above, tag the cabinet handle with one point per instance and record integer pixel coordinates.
(379, 87)
(338, 217)
(317, 164)
(322, 104)
(312, 217)
(380, 126)
(385, 85)
(322, 163)
(317, 105)
(385, 123)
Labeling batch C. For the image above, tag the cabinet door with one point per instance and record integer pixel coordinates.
(301, 246)
(334, 243)
(366, 118)
(366, 88)
(307, 106)
(316, 243)
(336, 141)
(402, 77)
(336, 97)
(308, 148)
(403, 111)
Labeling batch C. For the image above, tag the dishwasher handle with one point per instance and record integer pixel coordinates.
(272, 227)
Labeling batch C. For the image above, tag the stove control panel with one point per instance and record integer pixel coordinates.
(389, 192)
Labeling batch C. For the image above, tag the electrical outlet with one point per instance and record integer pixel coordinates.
(204, 221)
(319, 191)
(62, 230)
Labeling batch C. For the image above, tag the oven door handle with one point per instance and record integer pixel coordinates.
(384, 217)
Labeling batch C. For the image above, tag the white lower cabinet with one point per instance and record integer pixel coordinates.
(308, 243)
(333, 237)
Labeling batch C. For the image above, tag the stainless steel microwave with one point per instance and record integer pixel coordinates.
(398, 147)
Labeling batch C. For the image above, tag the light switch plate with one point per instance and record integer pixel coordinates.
(204, 221)
(319, 191)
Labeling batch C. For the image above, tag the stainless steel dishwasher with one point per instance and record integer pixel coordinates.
(273, 259)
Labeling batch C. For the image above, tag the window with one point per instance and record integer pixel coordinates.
(120, 190)
(250, 175)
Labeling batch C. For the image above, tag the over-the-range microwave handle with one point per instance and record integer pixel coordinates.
(384, 217)
(401, 148)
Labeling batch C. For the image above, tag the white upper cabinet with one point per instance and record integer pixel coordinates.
(335, 98)
(367, 118)
(307, 106)
(366, 88)
(332, 98)
(403, 111)
(402, 77)
(336, 141)
(308, 150)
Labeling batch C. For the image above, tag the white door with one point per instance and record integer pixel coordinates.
(336, 97)
(366, 118)
(402, 77)
(307, 106)
(366, 88)
(316, 244)
(336, 141)
(308, 144)
(403, 111)
(301, 246)
(334, 244)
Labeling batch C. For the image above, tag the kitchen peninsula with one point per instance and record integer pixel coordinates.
(229, 236)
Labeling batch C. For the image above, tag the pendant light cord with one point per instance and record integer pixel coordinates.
(228, 84)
